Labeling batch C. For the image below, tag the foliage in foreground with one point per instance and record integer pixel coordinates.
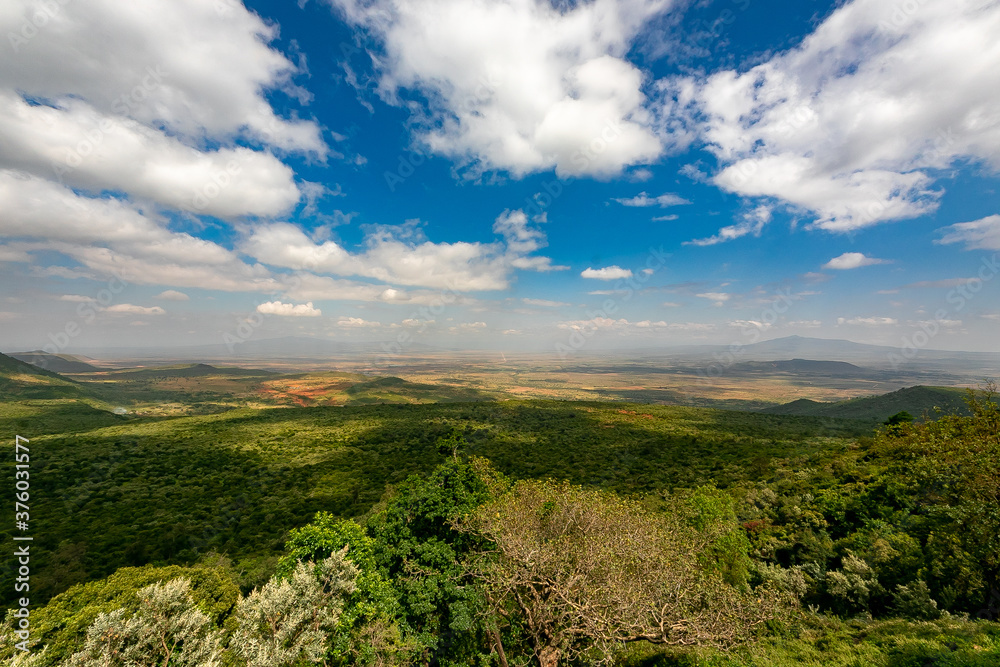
(904, 524)
(587, 572)
(288, 621)
(167, 628)
(617, 573)
(110, 492)
(466, 567)
(824, 641)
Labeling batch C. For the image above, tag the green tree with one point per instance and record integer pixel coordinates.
(291, 619)
(61, 625)
(853, 584)
(950, 471)
(903, 417)
(726, 546)
(368, 631)
(168, 629)
(421, 553)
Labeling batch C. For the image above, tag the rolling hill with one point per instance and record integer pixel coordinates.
(918, 401)
(19, 380)
(397, 390)
(189, 371)
(57, 363)
(803, 367)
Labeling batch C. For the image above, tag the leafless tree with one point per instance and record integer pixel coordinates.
(588, 571)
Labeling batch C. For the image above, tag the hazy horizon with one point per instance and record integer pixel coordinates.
(385, 354)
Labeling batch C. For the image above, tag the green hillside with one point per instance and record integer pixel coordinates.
(397, 390)
(187, 371)
(19, 380)
(875, 536)
(918, 401)
(57, 363)
(803, 367)
(166, 490)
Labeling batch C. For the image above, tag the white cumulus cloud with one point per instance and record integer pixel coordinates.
(623, 325)
(110, 236)
(544, 303)
(357, 323)
(868, 321)
(853, 260)
(982, 234)
(718, 298)
(642, 199)
(853, 124)
(172, 295)
(78, 145)
(606, 273)
(212, 66)
(753, 222)
(288, 309)
(134, 310)
(519, 86)
(398, 255)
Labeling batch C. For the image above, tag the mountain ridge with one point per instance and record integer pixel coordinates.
(919, 401)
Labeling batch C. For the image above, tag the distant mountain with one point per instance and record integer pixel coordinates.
(803, 347)
(873, 355)
(915, 400)
(58, 363)
(190, 370)
(22, 380)
(933, 365)
(833, 349)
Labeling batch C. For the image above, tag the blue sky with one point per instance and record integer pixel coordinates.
(506, 173)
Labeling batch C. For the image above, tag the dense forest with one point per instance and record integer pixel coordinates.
(510, 533)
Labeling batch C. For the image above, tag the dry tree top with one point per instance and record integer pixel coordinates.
(589, 571)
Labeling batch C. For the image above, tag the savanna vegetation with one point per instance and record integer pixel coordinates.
(509, 533)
